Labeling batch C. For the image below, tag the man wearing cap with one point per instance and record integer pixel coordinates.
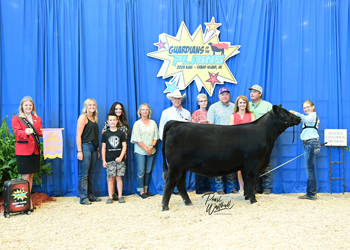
(259, 108)
(175, 112)
(219, 113)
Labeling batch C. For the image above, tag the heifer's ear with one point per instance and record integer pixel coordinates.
(274, 108)
(280, 105)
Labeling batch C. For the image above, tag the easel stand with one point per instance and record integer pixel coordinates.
(330, 168)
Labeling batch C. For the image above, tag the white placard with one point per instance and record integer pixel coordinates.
(336, 137)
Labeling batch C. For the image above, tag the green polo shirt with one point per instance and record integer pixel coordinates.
(260, 109)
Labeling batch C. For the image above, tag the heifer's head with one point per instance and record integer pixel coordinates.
(285, 116)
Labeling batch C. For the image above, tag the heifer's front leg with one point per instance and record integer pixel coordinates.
(251, 188)
(181, 186)
(246, 192)
(253, 171)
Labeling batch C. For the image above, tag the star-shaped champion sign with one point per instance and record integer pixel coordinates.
(189, 57)
(212, 25)
(170, 87)
(213, 79)
(160, 44)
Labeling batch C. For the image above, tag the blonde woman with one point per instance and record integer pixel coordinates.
(27, 126)
(241, 115)
(87, 150)
(144, 135)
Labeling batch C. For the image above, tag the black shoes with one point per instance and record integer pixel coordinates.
(94, 199)
(86, 202)
(144, 196)
(149, 194)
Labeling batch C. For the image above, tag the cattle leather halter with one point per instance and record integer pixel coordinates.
(286, 122)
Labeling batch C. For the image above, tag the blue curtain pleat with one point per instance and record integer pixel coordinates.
(61, 52)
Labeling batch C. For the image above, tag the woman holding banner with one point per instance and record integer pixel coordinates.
(27, 126)
(88, 151)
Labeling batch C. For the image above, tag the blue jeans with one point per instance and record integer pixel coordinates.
(264, 182)
(202, 184)
(231, 180)
(144, 167)
(311, 149)
(86, 170)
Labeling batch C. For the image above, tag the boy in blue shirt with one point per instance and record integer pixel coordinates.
(113, 151)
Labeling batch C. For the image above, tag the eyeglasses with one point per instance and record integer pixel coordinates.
(203, 101)
(306, 107)
(143, 110)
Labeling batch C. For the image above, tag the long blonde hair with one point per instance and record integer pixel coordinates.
(244, 98)
(86, 103)
(20, 109)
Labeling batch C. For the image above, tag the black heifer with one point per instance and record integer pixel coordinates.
(215, 150)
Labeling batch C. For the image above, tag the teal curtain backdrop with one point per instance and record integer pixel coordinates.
(61, 52)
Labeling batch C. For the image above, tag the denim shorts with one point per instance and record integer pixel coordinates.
(115, 168)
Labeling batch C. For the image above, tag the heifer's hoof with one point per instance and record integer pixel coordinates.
(188, 203)
(246, 197)
(165, 209)
(252, 201)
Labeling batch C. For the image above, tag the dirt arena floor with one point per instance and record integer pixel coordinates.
(276, 221)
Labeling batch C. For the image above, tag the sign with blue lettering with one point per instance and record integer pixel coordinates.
(200, 57)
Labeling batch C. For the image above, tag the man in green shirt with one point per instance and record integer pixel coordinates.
(259, 108)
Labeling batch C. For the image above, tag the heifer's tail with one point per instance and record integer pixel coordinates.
(165, 165)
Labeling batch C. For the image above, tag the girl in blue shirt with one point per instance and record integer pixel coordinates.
(310, 138)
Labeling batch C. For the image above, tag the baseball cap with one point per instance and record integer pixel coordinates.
(223, 89)
(257, 88)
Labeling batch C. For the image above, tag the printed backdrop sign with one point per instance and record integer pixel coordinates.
(200, 58)
(53, 143)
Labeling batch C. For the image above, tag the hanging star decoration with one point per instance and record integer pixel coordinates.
(213, 79)
(212, 25)
(170, 87)
(160, 45)
(189, 58)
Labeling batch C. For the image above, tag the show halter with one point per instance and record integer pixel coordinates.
(286, 162)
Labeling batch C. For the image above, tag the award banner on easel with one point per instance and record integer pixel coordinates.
(53, 143)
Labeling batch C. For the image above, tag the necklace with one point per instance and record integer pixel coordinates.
(91, 118)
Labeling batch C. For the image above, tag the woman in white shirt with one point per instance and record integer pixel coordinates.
(144, 135)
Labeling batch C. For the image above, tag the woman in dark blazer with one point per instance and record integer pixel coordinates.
(27, 126)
